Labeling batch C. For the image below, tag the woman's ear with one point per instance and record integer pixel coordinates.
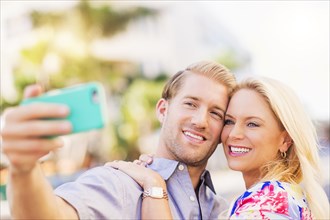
(286, 142)
(161, 109)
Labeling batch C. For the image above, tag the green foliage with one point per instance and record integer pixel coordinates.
(231, 60)
(95, 20)
(107, 20)
(137, 114)
(62, 57)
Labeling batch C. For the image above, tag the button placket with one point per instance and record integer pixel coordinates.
(192, 198)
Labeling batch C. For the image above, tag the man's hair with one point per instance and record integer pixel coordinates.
(210, 69)
(301, 165)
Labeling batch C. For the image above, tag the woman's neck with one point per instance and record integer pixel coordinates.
(251, 178)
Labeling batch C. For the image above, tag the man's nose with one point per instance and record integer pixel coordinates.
(199, 119)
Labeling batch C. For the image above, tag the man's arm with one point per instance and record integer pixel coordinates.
(29, 194)
(31, 197)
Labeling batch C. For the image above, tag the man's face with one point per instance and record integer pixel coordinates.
(192, 120)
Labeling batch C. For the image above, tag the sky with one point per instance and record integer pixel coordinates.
(287, 40)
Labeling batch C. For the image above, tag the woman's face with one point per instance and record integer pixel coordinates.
(251, 135)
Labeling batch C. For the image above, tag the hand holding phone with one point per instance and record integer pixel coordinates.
(86, 102)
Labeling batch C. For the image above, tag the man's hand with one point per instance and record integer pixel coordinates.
(24, 131)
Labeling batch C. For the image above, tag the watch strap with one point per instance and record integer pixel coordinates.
(155, 192)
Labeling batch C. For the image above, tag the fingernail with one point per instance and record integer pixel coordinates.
(64, 110)
(66, 126)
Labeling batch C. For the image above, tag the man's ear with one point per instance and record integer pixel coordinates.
(286, 142)
(161, 109)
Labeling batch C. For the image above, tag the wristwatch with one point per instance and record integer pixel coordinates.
(155, 192)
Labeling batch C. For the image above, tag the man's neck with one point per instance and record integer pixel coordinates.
(194, 172)
(195, 175)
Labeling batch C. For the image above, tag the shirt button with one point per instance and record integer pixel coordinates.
(192, 198)
(181, 167)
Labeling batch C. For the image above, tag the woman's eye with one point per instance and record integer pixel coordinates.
(252, 124)
(228, 122)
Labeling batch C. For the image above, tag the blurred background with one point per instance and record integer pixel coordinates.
(132, 47)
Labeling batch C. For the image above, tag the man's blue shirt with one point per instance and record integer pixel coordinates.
(107, 193)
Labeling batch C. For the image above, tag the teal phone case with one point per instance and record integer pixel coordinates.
(86, 103)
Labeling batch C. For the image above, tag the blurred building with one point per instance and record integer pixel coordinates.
(179, 35)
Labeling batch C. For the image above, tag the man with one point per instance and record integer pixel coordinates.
(191, 112)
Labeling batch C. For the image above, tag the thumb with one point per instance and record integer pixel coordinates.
(32, 91)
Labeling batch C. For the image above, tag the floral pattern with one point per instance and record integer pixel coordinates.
(271, 200)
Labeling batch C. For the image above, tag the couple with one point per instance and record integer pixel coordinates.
(265, 133)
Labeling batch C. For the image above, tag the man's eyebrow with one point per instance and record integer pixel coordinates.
(220, 109)
(197, 99)
(191, 97)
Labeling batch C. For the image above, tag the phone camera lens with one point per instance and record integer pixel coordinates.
(95, 97)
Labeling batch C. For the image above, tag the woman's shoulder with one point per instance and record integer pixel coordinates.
(280, 191)
(272, 198)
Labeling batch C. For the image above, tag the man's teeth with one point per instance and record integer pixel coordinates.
(193, 135)
(239, 150)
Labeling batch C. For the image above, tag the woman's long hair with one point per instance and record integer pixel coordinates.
(302, 164)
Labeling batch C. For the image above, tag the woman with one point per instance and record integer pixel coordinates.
(271, 140)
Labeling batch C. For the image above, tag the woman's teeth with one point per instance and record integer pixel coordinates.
(239, 149)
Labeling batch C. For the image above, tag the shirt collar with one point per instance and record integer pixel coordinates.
(206, 177)
(166, 168)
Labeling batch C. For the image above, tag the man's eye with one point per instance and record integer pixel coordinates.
(216, 114)
(190, 104)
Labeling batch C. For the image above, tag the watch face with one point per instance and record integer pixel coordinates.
(156, 192)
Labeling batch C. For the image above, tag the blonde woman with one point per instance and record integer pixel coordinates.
(270, 139)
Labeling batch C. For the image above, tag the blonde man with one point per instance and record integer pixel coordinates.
(191, 112)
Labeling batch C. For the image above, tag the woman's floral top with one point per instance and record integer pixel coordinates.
(271, 200)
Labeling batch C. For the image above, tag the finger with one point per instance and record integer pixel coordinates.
(120, 164)
(138, 162)
(146, 158)
(35, 111)
(151, 158)
(32, 146)
(143, 157)
(113, 164)
(36, 128)
(32, 90)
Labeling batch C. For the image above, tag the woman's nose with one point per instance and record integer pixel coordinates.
(236, 132)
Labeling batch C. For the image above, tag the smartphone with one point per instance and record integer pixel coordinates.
(87, 105)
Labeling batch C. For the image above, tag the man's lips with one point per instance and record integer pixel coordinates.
(194, 135)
